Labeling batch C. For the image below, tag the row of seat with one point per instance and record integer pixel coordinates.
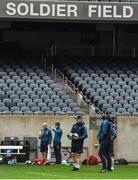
(110, 85)
(26, 89)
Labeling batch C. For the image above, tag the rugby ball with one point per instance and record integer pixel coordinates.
(64, 162)
(28, 162)
(69, 136)
(75, 136)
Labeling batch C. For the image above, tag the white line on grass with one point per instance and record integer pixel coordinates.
(46, 174)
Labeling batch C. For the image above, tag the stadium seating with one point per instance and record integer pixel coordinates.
(26, 89)
(110, 84)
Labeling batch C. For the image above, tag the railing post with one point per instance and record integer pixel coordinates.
(133, 52)
(55, 72)
(52, 69)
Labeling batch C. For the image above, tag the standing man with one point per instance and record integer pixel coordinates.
(57, 142)
(46, 138)
(80, 129)
(104, 138)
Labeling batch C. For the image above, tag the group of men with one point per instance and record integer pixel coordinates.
(105, 136)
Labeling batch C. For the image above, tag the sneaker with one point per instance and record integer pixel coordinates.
(112, 168)
(103, 171)
(75, 169)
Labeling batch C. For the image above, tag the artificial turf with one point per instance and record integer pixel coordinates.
(22, 171)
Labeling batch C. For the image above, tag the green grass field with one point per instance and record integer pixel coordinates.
(64, 172)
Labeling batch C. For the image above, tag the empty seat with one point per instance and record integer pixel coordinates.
(64, 97)
(49, 113)
(106, 106)
(116, 106)
(28, 113)
(51, 105)
(40, 105)
(6, 112)
(122, 102)
(75, 109)
(20, 104)
(43, 97)
(61, 93)
(23, 109)
(133, 102)
(54, 109)
(121, 110)
(50, 93)
(127, 106)
(111, 110)
(34, 109)
(131, 110)
(26, 101)
(22, 97)
(33, 97)
(2, 109)
(61, 113)
(80, 113)
(23, 85)
(72, 105)
(37, 101)
(19, 93)
(65, 109)
(9, 93)
(38, 112)
(47, 101)
(14, 108)
(30, 93)
(16, 101)
(44, 108)
(70, 113)
(53, 97)
(57, 101)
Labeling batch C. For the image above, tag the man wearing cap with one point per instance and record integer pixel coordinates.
(57, 142)
(104, 138)
(77, 144)
(46, 138)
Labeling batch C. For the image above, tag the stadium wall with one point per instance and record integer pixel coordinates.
(127, 146)
(30, 126)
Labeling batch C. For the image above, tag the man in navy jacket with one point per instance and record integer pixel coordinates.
(104, 138)
(57, 142)
(77, 144)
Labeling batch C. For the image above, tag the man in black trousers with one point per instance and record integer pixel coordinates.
(104, 138)
(57, 142)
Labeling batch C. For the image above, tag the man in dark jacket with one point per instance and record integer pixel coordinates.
(46, 139)
(77, 144)
(104, 138)
(57, 142)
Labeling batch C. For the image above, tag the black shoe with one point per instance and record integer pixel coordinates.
(110, 170)
(75, 169)
(48, 163)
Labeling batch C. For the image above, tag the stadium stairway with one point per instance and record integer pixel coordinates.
(68, 88)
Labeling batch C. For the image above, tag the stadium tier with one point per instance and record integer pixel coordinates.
(109, 84)
(26, 89)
